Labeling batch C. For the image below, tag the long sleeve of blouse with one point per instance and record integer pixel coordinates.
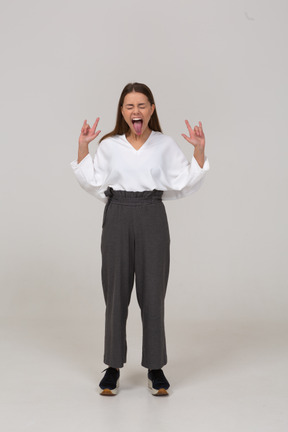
(158, 164)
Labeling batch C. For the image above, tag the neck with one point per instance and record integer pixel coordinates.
(139, 139)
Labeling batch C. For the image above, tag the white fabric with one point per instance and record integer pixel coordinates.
(158, 164)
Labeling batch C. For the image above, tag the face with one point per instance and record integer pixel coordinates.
(137, 112)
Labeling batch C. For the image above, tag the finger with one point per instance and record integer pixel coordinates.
(188, 126)
(94, 135)
(201, 129)
(86, 130)
(95, 124)
(185, 136)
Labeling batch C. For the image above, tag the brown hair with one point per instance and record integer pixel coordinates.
(121, 126)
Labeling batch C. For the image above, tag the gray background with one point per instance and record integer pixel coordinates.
(222, 62)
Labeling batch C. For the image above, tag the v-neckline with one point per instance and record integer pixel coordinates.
(145, 142)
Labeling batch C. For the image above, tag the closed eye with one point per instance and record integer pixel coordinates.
(131, 106)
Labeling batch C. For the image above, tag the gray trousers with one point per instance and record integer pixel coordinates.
(135, 242)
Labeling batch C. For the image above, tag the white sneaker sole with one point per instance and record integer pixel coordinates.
(157, 392)
(109, 392)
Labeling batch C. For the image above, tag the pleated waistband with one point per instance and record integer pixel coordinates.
(131, 197)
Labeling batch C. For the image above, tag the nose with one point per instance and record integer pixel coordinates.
(135, 110)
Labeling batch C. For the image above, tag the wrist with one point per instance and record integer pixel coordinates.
(199, 157)
(199, 150)
(82, 145)
(83, 148)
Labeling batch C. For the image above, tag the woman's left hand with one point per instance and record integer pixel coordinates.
(197, 137)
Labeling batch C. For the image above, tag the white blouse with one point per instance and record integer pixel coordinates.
(158, 164)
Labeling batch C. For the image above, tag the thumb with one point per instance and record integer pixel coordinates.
(185, 136)
(95, 134)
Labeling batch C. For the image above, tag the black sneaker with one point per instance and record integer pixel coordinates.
(110, 382)
(157, 382)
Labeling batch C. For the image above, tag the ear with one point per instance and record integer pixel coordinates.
(153, 108)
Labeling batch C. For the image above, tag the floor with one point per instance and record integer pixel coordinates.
(224, 377)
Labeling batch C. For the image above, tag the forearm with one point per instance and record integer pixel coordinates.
(199, 156)
(83, 151)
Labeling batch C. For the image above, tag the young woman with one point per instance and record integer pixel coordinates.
(135, 167)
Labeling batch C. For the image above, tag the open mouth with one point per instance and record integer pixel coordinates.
(137, 124)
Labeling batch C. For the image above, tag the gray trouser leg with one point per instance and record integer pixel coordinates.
(135, 241)
(151, 270)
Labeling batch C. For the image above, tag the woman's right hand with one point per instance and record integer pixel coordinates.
(88, 134)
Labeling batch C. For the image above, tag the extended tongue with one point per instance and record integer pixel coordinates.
(138, 126)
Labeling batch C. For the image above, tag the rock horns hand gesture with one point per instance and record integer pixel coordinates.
(197, 137)
(88, 134)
